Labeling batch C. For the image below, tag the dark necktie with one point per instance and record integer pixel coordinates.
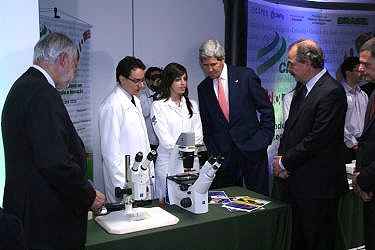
(298, 99)
(133, 101)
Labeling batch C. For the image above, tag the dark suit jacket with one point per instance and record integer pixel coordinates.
(366, 151)
(368, 88)
(45, 184)
(11, 232)
(312, 143)
(246, 97)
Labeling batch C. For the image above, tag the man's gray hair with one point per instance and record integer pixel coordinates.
(309, 50)
(369, 46)
(50, 46)
(211, 48)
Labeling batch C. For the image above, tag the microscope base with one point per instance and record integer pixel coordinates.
(119, 223)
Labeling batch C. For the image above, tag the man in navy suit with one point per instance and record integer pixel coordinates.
(45, 184)
(237, 118)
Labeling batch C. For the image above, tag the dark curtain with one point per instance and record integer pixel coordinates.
(235, 32)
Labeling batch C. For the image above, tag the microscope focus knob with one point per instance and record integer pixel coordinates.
(186, 202)
(118, 193)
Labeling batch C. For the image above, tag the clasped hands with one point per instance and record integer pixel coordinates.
(365, 196)
(277, 170)
(98, 203)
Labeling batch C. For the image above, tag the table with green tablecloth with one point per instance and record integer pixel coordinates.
(350, 222)
(349, 232)
(269, 228)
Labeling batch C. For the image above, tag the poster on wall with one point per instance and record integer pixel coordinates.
(77, 95)
(273, 27)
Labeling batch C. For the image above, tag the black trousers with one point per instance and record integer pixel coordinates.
(314, 224)
(350, 155)
(239, 169)
(369, 224)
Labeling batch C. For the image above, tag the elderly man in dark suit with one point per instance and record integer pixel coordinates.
(45, 184)
(311, 149)
(237, 118)
(364, 179)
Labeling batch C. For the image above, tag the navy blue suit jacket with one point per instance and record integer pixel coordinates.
(45, 184)
(251, 115)
(312, 143)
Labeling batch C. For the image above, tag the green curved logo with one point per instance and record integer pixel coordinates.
(267, 50)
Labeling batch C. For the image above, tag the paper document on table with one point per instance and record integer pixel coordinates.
(245, 203)
(217, 197)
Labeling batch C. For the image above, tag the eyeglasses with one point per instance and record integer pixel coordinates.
(364, 64)
(291, 64)
(136, 81)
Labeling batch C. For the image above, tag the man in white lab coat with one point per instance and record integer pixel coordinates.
(122, 126)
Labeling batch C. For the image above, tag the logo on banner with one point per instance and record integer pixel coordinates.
(272, 56)
(352, 20)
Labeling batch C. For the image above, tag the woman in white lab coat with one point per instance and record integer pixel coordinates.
(122, 126)
(173, 114)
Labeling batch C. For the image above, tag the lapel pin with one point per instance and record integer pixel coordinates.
(236, 82)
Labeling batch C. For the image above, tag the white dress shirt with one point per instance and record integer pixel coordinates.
(45, 73)
(355, 115)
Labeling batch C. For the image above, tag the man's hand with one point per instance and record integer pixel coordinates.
(365, 196)
(98, 203)
(277, 170)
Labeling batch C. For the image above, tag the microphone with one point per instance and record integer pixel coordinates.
(137, 161)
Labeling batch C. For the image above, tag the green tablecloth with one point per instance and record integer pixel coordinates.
(350, 219)
(218, 229)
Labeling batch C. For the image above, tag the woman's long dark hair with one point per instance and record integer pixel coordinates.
(170, 73)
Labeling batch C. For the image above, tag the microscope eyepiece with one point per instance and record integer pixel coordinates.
(139, 157)
(152, 155)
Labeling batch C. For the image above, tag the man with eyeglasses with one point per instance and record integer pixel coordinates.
(122, 127)
(364, 177)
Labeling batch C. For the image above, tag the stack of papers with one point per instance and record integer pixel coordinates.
(237, 203)
(217, 197)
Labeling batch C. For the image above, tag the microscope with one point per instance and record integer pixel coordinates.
(138, 191)
(187, 186)
(182, 158)
(190, 191)
(141, 176)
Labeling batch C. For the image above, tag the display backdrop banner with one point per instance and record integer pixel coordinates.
(77, 97)
(272, 27)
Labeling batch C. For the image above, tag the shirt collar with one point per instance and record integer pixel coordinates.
(349, 88)
(45, 73)
(311, 83)
(173, 104)
(129, 96)
(224, 73)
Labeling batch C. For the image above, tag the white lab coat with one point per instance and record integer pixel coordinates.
(145, 96)
(169, 121)
(122, 132)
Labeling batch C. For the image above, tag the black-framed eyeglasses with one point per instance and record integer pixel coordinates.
(136, 81)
